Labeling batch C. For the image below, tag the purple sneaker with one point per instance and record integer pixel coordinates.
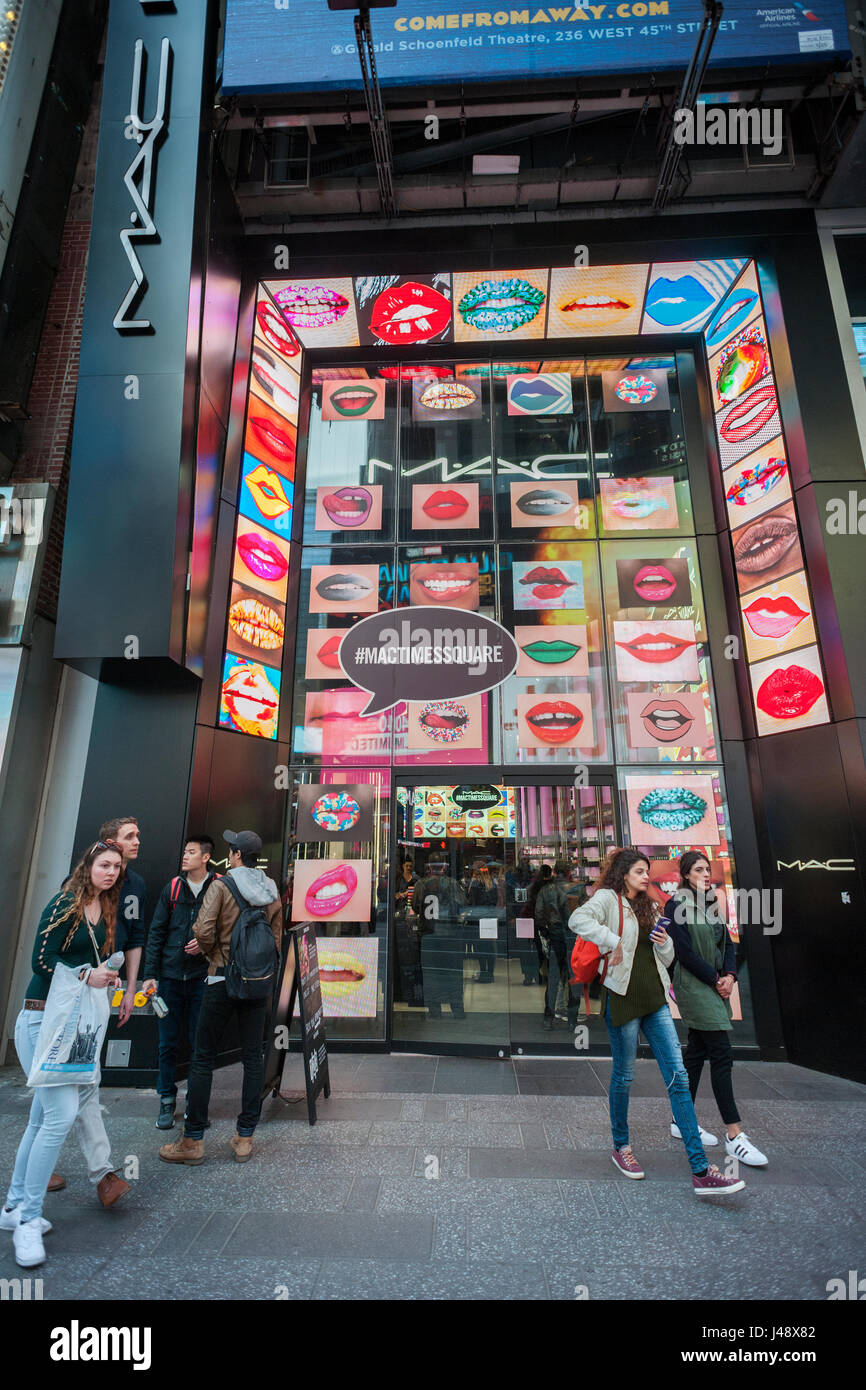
(712, 1184)
(626, 1162)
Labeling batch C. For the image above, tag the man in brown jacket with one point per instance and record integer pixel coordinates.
(213, 932)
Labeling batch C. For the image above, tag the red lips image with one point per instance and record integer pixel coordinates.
(262, 557)
(789, 693)
(554, 721)
(654, 583)
(773, 617)
(655, 647)
(278, 443)
(446, 506)
(327, 653)
(275, 330)
(549, 583)
(331, 891)
(410, 313)
(750, 415)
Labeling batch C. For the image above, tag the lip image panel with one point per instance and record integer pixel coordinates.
(353, 589)
(758, 483)
(656, 651)
(671, 810)
(321, 313)
(555, 721)
(666, 721)
(327, 890)
(638, 504)
(349, 508)
(749, 422)
(741, 363)
(261, 560)
(552, 649)
(595, 300)
(453, 585)
(681, 295)
(334, 811)
(652, 583)
(736, 310)
(445, 506)
(276, 332)
(348, 976)
(361, 399)
(789, 692)
(445, 725)
(542, 585)
(546, 504)
(636, 390)
(767, 549)
(266, 496)
(398, 312)
(271, 438)
(256, 626)
(445, 400)
(335, 728)
(492, 305)
(548, 393)
(250, 697)
(778, 617)
(273, 381)
(322, 648)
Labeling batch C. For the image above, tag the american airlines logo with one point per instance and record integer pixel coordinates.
(836, 866)
(139, 180)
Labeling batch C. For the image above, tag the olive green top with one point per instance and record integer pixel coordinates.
(645, 993)
(701, 1006)
(50, 939)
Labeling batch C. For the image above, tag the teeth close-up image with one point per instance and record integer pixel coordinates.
(432, 497)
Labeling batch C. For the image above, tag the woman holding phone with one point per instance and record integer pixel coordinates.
(622, 920)
(76, 929)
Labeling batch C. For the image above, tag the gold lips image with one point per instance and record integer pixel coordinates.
(339, 974)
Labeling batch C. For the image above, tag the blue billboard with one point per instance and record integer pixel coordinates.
(304, 46)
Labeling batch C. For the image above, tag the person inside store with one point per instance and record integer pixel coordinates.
(704, 975)
(542, 875)
(213, 931)
(175, 966)
(77, 928)
(438, 902)
(624, 923)
(552, 912)
(408, 941)
(517, 882)
(483, 899)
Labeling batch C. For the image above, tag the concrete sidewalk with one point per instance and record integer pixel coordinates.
(526, 1204)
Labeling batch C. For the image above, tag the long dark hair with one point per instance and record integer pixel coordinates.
(79, 888)
(617, 864)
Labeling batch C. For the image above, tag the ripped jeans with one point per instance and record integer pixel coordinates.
(659, 1031)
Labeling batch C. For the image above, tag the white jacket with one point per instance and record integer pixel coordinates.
(598, 921)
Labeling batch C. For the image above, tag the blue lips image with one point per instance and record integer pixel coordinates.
(675, 302)
(729, 315)
(540, 395)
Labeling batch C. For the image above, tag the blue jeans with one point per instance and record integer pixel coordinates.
(183, 998)
(660, 1033)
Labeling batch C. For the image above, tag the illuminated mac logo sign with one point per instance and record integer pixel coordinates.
(139, 180)
(835, 866)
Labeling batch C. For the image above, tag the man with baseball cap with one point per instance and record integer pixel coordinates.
(213, 932)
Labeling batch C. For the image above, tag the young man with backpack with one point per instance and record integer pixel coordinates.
(552, 911)
(175, 966)
(239, 928)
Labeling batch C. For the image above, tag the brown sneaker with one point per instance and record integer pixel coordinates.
(110, 1189)
(56, 1183)
(183, 1151)
(243, 1147)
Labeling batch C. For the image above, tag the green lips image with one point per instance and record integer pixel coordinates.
(353, 400)
(551, 653)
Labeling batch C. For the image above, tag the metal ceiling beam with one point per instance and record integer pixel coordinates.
(380, 135)
(673, 153)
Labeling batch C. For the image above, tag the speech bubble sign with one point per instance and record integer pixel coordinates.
(480, 798)
(426, 653)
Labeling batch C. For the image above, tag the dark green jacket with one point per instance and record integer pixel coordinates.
(705, 939)
(47, 948)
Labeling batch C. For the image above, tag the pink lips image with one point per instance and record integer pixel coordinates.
(331, 891)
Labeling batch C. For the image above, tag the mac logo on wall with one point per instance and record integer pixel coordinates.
(139, 180)
(838, 866)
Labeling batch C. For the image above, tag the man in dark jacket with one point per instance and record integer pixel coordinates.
(552, 911)
(174, 958)
(129, 927)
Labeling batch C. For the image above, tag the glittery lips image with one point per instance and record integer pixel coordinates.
(343, 588)
(331, 891)
(348, 506)
(257, 623)
(446, 505)
(500, 306)
(743, 362)
(553, 653)
(447, 395)
(636, 499)
(444, 721)
(354, 400)
(654, 583)
(410, 313)
(764, 544)
(262, 557)
(276, 331)
(672, 809)
(250, 700)
(546, 583)
(636, 389)
(750, 415)
(754, 483)
(554, 721)
(666, 719)
(335, 812)
(774, 617)
(544, 502)
(268, 491)
(656, 648)
(311, 306)
(789, 693)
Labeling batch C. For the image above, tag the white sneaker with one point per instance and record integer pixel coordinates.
(708, 1140)
(10, 1219)
(29, 1250)
(743, 1149)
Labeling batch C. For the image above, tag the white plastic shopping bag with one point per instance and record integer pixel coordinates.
(73, 1027)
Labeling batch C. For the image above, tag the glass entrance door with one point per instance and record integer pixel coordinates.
(486, 876)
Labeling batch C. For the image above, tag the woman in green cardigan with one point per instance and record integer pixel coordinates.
(76, 929)
(703, 977)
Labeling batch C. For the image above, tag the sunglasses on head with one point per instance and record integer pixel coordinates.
(105, 844)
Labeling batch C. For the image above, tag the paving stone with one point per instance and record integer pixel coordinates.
(466, 1194)
(449, 1240)
(62, 1271)
(364, 1194)
(195, 1277)
(345, 1235)
(436, 1280)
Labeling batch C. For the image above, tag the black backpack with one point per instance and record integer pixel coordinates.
(251, 970)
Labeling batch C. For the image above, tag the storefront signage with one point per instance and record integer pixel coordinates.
(303, 46)
(836, 866)
(140, 179)
(426, 654)
(476, 798)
